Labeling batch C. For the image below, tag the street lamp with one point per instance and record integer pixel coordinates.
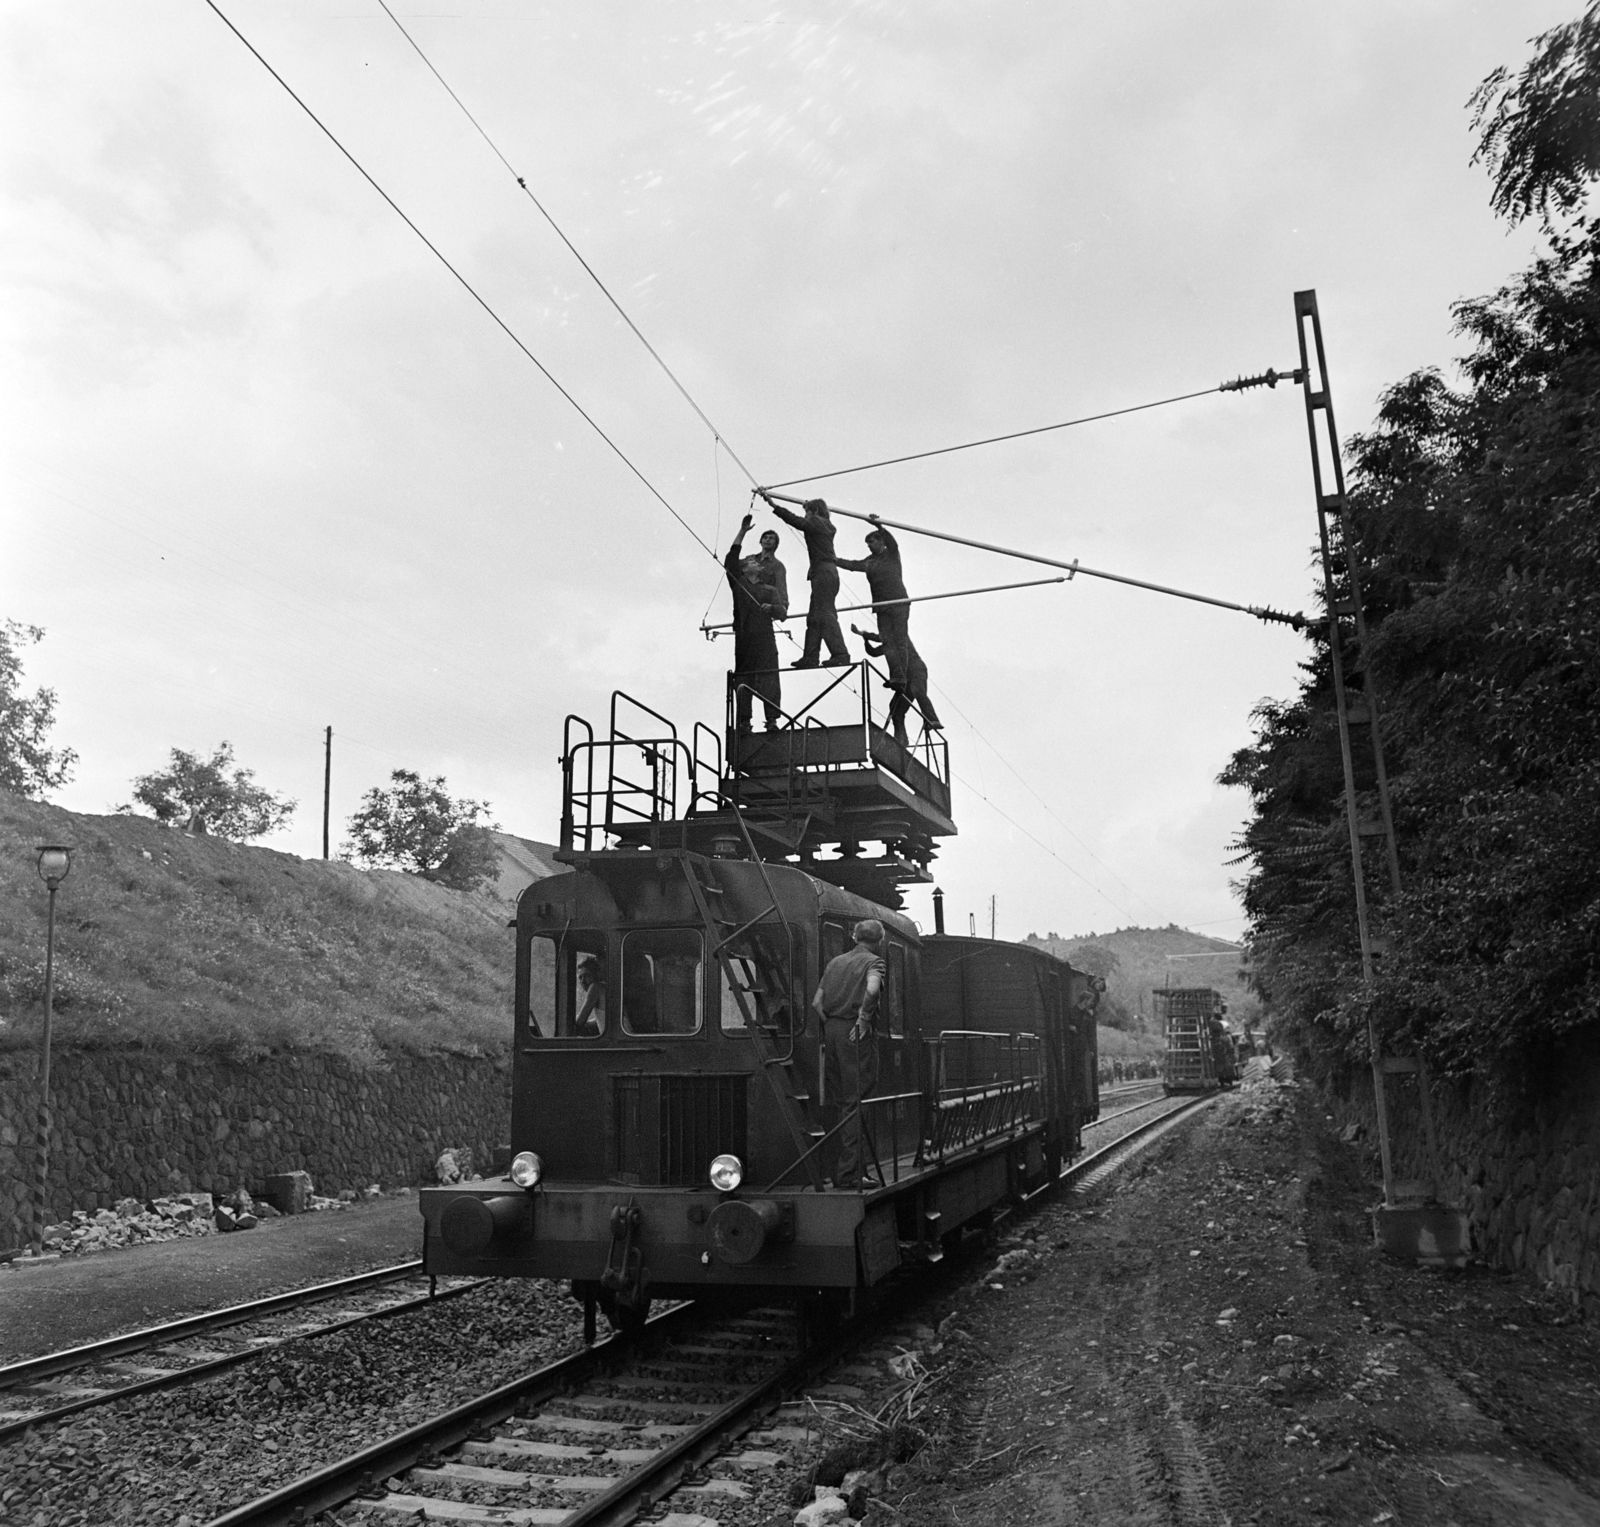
(54, 861)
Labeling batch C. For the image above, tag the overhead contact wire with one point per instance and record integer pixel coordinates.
(466, 285)
(1020, 434)
(576, 255)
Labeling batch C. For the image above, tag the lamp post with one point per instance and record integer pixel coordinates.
(54, 862)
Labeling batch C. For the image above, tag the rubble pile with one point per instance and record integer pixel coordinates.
(132, 1222)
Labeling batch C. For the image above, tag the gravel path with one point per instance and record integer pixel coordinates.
(182, 1457)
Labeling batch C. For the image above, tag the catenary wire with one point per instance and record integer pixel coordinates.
(1020, 434)
(467, 286)
(972, 726)
(560, 234)
(718, 436)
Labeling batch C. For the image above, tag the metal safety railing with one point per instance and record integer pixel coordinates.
(633, 776)
(982, 1084)
(849, 701)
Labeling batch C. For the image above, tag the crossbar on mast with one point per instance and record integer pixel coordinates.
(1261, 612)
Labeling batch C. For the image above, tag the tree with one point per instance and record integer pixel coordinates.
(1540, 133)
(1476, 512)
(28, 766)
(416, 826)
(206, 798)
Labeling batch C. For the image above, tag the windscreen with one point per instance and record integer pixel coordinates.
(661, 981)
(568, 984)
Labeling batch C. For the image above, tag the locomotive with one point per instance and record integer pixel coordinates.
(670, 1133)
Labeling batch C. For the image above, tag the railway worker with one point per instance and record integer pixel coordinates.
(914, 690)
(822, 570)
(884, 578)
(760, 595)
(847, 1001)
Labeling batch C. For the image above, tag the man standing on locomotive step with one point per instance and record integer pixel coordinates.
(760, 595)
(822, 621)
(847, 1000)
(882, 567)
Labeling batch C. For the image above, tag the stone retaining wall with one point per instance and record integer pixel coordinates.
(136, 1124)
(1529, 1178)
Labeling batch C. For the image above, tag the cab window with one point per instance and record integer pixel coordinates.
(770, 970)
(568, 990)
(894, 999)
(661, 981)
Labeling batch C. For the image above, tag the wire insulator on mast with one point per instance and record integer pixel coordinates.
(1268, 378)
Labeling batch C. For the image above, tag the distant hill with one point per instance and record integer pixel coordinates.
(1134, 961)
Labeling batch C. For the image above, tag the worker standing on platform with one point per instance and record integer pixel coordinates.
(822, 621)
(760, 594)
(847, 1001)
(882, 567)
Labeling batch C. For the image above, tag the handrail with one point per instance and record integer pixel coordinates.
(666, 756)
(620, 694)
(568, 795)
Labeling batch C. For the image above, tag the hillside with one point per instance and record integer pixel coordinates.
(1135, 961)
(182, 942)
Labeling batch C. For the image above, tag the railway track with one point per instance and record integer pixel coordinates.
(691, 1415)
(59, 1384)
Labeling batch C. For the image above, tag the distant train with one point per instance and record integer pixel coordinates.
(668, 1126)
(1201, 1055)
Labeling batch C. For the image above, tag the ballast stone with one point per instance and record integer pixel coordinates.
(827, 1510)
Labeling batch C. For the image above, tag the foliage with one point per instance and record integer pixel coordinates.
(1476, 513)
(1540, 133)
(416, 826)
(28, 766)
(206, 798)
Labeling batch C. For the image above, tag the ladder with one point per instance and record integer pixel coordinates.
(742, 970)
(1353, 715)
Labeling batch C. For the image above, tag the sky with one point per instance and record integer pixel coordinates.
(268, 467)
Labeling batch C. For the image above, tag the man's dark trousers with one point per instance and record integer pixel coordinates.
(850, 1073)
(822, 619)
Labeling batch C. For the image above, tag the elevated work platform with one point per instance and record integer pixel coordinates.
(829, 777)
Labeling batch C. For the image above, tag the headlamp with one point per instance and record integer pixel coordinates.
(526, 1169)
(727, 1172)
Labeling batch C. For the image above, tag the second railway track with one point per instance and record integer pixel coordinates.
(60, 1384)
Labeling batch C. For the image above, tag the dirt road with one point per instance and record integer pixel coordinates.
(1215, 1342)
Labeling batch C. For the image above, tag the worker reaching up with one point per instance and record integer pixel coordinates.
(882, 567)
(760, 594)
(822, 621)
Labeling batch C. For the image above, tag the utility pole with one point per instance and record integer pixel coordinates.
(1411, 1221)
(972, 924)
(327, 788)
(992, 900)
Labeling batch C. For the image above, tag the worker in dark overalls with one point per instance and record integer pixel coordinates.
(847, 1001)
(882, 567)
(914, 691)
(758, 599)
(822, 620)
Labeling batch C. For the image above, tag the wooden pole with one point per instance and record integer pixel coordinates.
(327, 788)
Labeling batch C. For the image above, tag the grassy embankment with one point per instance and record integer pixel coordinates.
(182, 943)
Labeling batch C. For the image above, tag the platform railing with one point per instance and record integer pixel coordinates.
(866, 710)
(982, 1084)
